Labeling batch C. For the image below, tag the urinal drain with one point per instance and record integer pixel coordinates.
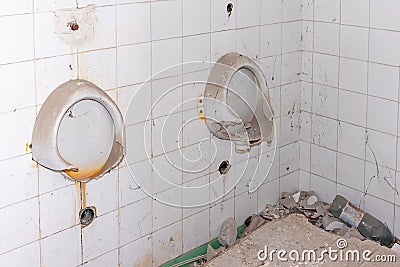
(87, 215)
(224, 167)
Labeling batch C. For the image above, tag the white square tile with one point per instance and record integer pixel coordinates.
(138, 145)
(352, 107)
(133, 23)
(17, 93)
(194, 129)
(290, 182)
(18, 180)
(271, 11)
(102, 193)
(325, 69)
(324, 132)
(222, 43)
(193, 88)
(326, 189)
(292, 10)
(31, 256)
(271, 40)
(245, 205)
(291, 36)
(133, 64)
(381, 148)
(305, 122)
(323, 162)
(22, 227)
(135, 221)
(306, 96)
(100, 236)
(290, 96)
(60, 69)
(99, 67)
(167, 171)
(380, 209)
(196, 52)
(353, 75)
(305, 157)
(289, 158)
(308, 9)
(308, 35)
(306, 66)
(135, 182)
(168, 243)
(383, 81)
(43, 5)
(218, 214)
(354, 42)
(163, 26)
(196, 18)
(304, 180)
(326, 38)
(195, 195)
(351, 140)
(166, 209)
(108, 259)
(20, 7)
(196, 230)
(325, 100)
(248, 42)
(135, 103)
(50, 180)
(143, 255)
(19, 32)
(62, 249)
(220, 18)
(272, 69)
(327, 10)
(166, 96)
(248, 13)
(382, 115)
(66, 200)
(268, 194)
(385, 14)
(380, 181)
(165, 63)
(105, 30)
(355, 12)
(19, 123)
(289, 129)
(350, 172)
(383, 47)
(166, 134)
(291, 67)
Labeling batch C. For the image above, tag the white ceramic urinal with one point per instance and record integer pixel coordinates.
(236, 103)
(79, 132)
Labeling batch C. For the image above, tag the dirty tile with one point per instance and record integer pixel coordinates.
(325, 69)
(387, 87)
(350, 172)
(196, 18)
(143, 253)
(326, 38)
(351, 140)
(167, 243)
(31, 256)
(381, 148)
(323, 162)
(325, 101)
(324, 132)
(291, 36)
(133, 23)
(108, 259)
(166, 26)
(327, 10)
(352, 108)
(353, 75)
(271, 41)
(195, 230)
(248, 13)
(378, 109)
(272, 11)
(220, 18)
(218, 213)
(248, 42)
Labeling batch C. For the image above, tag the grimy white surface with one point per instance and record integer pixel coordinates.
(296, 233)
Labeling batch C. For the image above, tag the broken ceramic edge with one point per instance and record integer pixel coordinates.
(44, 137)
(222, 120)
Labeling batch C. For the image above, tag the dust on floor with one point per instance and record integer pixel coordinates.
(298, 238)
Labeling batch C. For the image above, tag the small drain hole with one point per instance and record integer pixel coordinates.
(87, 215)
(224, 167)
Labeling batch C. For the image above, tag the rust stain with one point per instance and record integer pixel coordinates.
(27, 147)
(83, 192)
(84, 174)
(200, 111)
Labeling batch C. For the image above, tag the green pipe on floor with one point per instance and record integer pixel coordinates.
(202, 250)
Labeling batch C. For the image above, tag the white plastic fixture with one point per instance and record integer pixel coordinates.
(79, 132)
(236, 104)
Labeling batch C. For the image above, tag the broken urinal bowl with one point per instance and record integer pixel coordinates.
(79, 132)
(236, 103)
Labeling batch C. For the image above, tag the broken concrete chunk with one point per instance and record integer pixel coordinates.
(211, 252)
(330, 223)
(296, 197)
(253, 223)
(312, 200)
(288, 202)
(228, 232)
(348, 232)
(396, 248)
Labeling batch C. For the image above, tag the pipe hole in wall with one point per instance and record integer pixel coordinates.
(229, 9)
(224, 167)
(87, 215)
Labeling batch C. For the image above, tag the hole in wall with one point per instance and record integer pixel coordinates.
(87, 215)
(224, 167)
(229, 9)
(74, 26)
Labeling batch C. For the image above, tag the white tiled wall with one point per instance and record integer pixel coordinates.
(135, 40)
(350, 103)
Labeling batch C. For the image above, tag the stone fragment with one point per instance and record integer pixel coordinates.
(228, 233)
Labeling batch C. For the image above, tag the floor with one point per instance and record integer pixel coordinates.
(296, 233)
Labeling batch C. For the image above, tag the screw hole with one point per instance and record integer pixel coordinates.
(224, 167)
(87, 215)
(229, 9)
(74, 26)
